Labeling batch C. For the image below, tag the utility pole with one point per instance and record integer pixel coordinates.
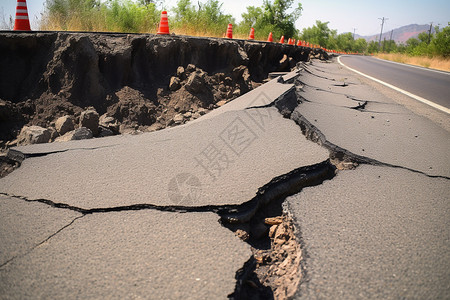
(382, 23)
(354, 29)
(429, 33)
(390, 41)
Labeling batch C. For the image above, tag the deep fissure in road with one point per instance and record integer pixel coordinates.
(275, 268)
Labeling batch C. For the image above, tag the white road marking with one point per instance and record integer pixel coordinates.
(418, 98)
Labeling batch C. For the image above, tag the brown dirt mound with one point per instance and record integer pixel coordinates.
(143, 82)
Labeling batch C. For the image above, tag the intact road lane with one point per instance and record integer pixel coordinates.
(429, 84)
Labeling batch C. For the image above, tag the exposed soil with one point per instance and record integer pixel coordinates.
(140, 82)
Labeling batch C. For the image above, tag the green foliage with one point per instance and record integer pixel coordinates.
(129, 16)
(278, 17)
(437, 44)
(90, 15)
(205, 19)
(441, 42)
(320, 34)
(360, 45)
(345, 42)
(372, 47)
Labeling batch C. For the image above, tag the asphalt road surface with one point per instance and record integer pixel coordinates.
(429, 84)
(379, 231)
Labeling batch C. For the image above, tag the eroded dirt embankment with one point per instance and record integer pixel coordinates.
(136, 82)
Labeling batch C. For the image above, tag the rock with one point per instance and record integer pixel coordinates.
(190, 68)
(220, 77)
(241, 72)
(196, 82)
(228, 81)
(273, 221)
(174, 83)
(242, 234)
(178, 119)
(109, 122)
(281, 234)
(33, 135)
(272, 230)
(81, 133)
(12, 143)
(180, 72)
(53, 133)
(196, 115)
(284, 64)
(155, 126)
(106, 120)
(202, 111)
(64, 124)
(104, 131)
(236, 93)
(221, 102)
(90, 120)
(187, 115)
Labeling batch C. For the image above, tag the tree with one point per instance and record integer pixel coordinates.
(423, 37)
(252, 18)
(373, 47)
(272, 17)
(206, 18)
(441, 42)
(412, 43)
(320, 34)
(360, 45)
(283, 22)
(344, 42)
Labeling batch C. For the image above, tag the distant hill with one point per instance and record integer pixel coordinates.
(399, 35)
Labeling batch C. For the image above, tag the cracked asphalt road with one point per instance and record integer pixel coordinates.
(138, 216)
(219, 151)
(381, 231)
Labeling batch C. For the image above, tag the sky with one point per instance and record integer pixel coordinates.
(344, 15)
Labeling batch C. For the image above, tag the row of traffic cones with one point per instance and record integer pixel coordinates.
(164, 29)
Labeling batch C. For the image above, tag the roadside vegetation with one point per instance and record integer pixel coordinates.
(202, 18)
(429, 51)
(436, 62)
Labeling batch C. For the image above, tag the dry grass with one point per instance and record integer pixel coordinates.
(438, 63)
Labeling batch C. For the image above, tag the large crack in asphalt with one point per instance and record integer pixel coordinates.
(275, 270)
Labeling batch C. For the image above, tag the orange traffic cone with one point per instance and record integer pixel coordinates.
(293, 42)
(270, 38)
(299, 43)
(282, 40)
(230, 31)
(164, 24)
(252, 34)
(22, 22)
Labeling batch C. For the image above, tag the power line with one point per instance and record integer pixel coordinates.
(382, 23)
